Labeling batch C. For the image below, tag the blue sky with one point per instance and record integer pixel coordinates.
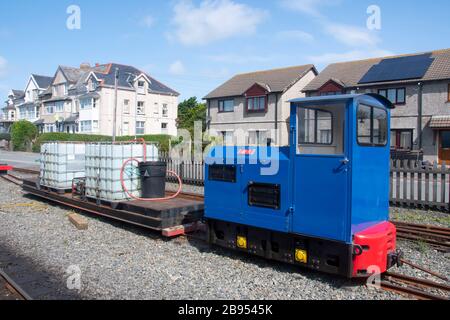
(193, 46)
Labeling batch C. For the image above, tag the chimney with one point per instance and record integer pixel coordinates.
(85, 66)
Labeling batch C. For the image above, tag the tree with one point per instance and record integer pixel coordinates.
(22, 135)
(190, 111)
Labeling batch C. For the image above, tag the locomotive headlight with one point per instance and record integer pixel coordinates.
(241, 242)
(301, 256)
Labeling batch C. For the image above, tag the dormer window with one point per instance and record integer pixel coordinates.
(256, 104)
(92, 85)
(60, 90)
(256, 98)
(141, 84)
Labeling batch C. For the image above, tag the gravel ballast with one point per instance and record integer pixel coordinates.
(118, 261)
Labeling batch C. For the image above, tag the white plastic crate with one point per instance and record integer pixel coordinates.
(103, 165)
(61, 162)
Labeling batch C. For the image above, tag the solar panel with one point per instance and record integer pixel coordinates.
(403, 68)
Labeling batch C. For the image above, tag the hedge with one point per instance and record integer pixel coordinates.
(22, 135)
(162, 140)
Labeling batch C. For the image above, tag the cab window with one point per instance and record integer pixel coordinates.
(372, 126)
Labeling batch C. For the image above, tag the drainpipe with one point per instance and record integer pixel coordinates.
(420, 114)
(276, 118)
(209, 114)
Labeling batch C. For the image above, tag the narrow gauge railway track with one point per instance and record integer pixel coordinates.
(437, 237)
(13, 179)
(16, 291)
(414, 287)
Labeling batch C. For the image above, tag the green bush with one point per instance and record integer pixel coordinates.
(22, 135)
(162, 140)
(5, 136)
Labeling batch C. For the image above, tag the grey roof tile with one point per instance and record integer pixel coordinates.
(350, 73)
(43, 81)
(278, 80)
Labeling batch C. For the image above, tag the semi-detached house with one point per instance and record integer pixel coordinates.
(258, 104)
(419, 86)
(82, 100)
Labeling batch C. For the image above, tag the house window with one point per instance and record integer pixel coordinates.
(86, 126)
(402, 139)
(165, 111)
(59, 106)
(50, 109)
(256, 104)
(257, 138)
(60, 90)
(141, 84)
(164, 128)
(140, 127)
(92, 85)
(141, 107)
(315, 127)
(395, 95)
(372, 126)
(227, 137)
(226, 105)
(49, 127)
(86, 104)
(126, 106)
(22, 113)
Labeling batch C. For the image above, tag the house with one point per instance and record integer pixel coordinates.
(144, 105)
(29, 108)
(82, 100)
(257, 103)
(9, 112)
(419, 86)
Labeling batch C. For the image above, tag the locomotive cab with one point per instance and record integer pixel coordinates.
(327, 205)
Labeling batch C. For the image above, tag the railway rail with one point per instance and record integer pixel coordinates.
(13, 179)
(414, 287)
(11, 286)
(437, 237)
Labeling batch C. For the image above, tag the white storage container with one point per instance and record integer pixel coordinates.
(103, 166)
(61, 162)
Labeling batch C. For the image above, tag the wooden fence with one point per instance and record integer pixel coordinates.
(414, 184)
(191, 172)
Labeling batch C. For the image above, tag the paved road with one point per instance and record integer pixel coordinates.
(20, 159)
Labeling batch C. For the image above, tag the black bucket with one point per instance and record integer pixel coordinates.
(153, 179)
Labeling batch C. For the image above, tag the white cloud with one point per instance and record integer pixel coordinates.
(214, 20)
(328, 58)
(310, 7)
(148, 21)
(3, 66)
(352, 35)
(177, 68)
(297, 35)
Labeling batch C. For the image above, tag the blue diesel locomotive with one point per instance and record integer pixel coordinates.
(322, 202)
